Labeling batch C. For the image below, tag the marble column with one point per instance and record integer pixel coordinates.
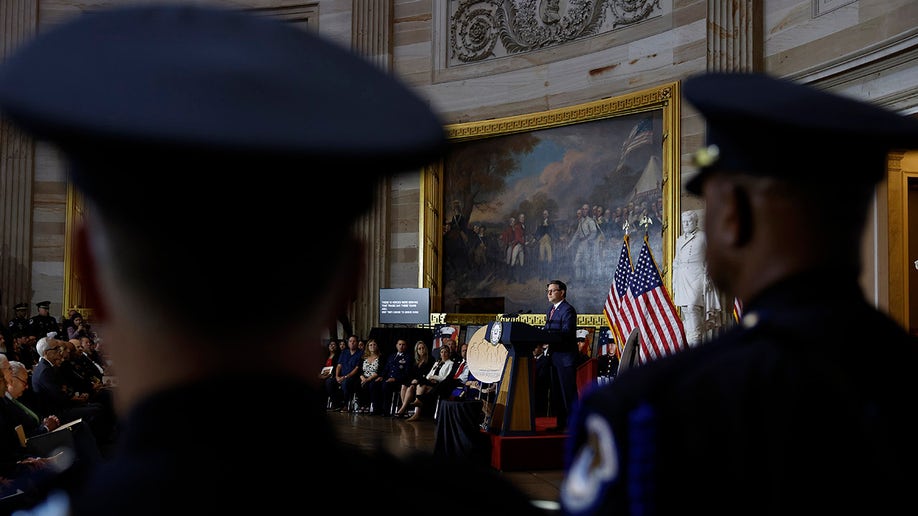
(735, 37)
(18, 23)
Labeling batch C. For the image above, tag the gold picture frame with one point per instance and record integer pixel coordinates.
(605, 153)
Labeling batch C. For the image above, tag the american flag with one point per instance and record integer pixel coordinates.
(607, 345)
(442, 333)
(737, 309)
(661, 328)
(619, 306)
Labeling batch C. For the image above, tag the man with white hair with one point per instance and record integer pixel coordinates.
(55, 397)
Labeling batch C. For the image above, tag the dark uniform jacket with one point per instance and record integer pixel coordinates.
(198, 450)
(806, 407)
(18, 326)
(41, 325)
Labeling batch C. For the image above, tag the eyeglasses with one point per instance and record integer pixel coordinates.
(56, 348)
(24, 382)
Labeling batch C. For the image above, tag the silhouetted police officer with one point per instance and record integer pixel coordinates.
(180, 125)
(806, 406)
(19, 324)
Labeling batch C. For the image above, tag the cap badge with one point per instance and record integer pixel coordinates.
(706, 156)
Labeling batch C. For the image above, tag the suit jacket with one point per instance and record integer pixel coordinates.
(564, 323)
(11, 450)
(50, 391)
(30, 425)
(542, 367)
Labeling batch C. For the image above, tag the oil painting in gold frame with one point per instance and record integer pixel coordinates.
(614, 160)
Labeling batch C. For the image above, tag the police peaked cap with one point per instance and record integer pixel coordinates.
(758, 124)
(147, 82)
(21, 306)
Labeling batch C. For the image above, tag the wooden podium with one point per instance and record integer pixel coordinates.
(513, 412)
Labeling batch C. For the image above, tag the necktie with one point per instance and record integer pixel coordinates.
(27, 410)
(461, 368)
(552, 313)
(437, 369)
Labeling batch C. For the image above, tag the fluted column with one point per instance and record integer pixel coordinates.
(18, 22)
(371, 37)
(371, 34)
(735, 37)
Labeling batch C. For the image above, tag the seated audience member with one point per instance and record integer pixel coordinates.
(80, 435)
(19, 470)
(394, 376)
(369, 373)
(343, 385)
(441, 371)
(55, 397)
(423, 363)
(81, 375)
(28, 354)
(77, 328)
(14, 347)
(67, 322)
(454, 385)
(90, 360)
(17, 377)
(78, 371)
(186, 95)
(330, 361)
(90, 346)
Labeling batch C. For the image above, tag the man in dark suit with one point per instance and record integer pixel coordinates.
(561, 319)
(787, 412)
(181, 124)
(541, 381)
(55, 396)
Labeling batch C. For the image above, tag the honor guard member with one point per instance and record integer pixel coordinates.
(153, 105)
(41, 324)
(19, 324)
(788, 412)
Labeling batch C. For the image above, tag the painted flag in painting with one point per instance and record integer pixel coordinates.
(641, 134)
(619, 307)
(661, 328)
